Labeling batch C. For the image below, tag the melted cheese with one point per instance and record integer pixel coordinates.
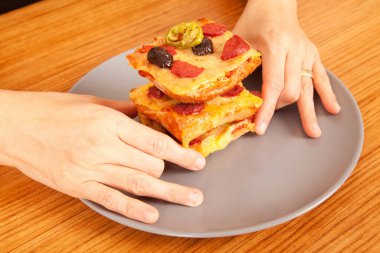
(214, 67)
(219, 138)
(185, 128)
(213, 140)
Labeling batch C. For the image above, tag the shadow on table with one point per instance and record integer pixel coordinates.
(10, 5)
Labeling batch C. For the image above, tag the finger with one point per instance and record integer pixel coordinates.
(257, 93)
(126, 107)
(307, 110)
(118, 202)
(323, 87)
(141, 184)
(160, 145)
(128, 156)
(292, 84)
(273, 83)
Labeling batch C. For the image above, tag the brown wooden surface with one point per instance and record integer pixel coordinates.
(48, 46)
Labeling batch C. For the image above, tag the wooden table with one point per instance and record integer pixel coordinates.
(49, 45)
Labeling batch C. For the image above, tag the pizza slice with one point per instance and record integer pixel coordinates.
(213, 140)
(219, 138)
(205, 126)
(196, 61)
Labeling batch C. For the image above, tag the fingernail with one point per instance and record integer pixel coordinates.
(337, 106)
(150, 216)
(260, 129)
(200, 163)
(195, 198)
(316, 129)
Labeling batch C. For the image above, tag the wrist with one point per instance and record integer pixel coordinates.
(5, 127)
(285, 10)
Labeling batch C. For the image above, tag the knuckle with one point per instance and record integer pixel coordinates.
(274, 41)
(129, 209)
(277, 48)
(63, 177)
(284, 38)
(102, 115)
(63, 180)
(107, 118)
(300, 54)
(313, 48)
(275, 35)
(277, 85)
(290, 96)
(173, 194)
(188, 158)
(95, 124)
(121, 123)
(137, 184)
(159, 168)
(77, 191)
(107, 199)
(93, 110)
(57, 178)
(93, 140)
(99, 130)
(272, 35)
(160, 146)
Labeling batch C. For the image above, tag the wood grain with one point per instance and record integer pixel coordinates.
(49, 45)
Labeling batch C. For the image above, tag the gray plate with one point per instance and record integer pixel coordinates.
(256, 182)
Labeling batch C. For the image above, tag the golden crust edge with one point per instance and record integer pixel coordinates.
(234, 129)
(215, 88)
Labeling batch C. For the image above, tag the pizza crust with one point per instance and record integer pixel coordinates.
(185, 128)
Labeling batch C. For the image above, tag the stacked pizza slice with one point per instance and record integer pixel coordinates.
(195, 91)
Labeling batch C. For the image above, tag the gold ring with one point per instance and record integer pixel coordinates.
(307, 73)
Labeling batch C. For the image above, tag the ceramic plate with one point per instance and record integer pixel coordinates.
(256, 182)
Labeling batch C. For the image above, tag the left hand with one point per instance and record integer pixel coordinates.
(91, 148)
(272, 28)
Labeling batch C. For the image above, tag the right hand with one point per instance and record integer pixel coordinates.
(272, 27)
(86, 147)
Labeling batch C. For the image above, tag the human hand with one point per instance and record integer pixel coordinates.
(86, 146)
(272, 27)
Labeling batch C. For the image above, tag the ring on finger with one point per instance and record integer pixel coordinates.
(307, 73)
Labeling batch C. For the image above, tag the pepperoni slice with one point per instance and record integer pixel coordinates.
(236, 90)
(185, 70)
(145, 74)
(195, 141)
(153, 92)
(170, 49)
(187, 109)
(256, 93)
(144, 49)
(252, 118)
(234, 47)
(213, 29)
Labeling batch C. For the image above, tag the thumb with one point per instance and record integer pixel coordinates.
(126, 107)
